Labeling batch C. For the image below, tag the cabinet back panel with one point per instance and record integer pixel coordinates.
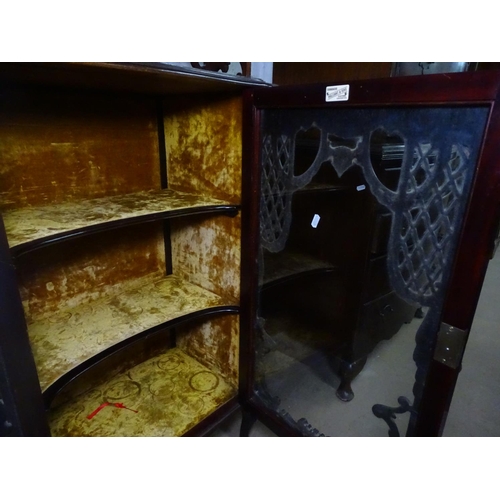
(214, 344)
(81, 270)
(203, 142)
(206, 251)
(61, 145)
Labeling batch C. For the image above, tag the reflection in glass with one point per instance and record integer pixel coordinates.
(359, 219)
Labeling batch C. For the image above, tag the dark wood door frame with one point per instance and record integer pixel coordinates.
(475, 243)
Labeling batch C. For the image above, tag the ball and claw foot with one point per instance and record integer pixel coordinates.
(344, 392)
(348, 371)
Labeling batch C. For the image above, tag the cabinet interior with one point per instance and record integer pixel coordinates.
(122, 215)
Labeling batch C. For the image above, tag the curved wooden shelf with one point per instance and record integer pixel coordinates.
(164, 396)
(285, 266)
(67, 343)
(33, 227)
(62, 382)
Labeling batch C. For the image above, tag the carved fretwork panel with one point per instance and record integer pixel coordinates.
(276, 192)
(435, 179)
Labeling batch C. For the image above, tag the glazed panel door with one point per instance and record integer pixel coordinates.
(373, 207)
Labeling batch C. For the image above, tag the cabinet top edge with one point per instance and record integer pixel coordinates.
(467, 87)
(151, 78)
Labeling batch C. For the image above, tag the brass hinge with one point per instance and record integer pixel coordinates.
(496, 235)
(450, 345)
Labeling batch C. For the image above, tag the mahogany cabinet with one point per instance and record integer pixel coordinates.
(178, 245)
(121, 201)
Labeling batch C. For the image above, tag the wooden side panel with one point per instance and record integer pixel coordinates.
(204, 151)
(76, 272)
(67, 146)
(214, 344)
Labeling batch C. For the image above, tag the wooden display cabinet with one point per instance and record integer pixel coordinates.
(120, 196)
(156, 221)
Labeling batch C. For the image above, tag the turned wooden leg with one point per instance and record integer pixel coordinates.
(348, 371)
(248, 419)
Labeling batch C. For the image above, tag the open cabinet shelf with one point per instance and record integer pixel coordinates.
(166, 395)
(28, 228)
(63, 342)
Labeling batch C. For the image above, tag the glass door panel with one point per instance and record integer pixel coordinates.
(360, 214)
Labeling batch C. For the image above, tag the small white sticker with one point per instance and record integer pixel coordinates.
(337, 93)
(315, 221)
(361, 187)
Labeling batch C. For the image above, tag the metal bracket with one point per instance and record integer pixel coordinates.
(496, 235)
(450, 345)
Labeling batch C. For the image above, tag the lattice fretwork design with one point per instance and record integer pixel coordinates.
(423, 165)
(428, 225)
(276, 207)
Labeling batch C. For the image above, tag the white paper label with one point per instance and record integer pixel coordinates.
(315, 221)
(337, 93)
(361, 187)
